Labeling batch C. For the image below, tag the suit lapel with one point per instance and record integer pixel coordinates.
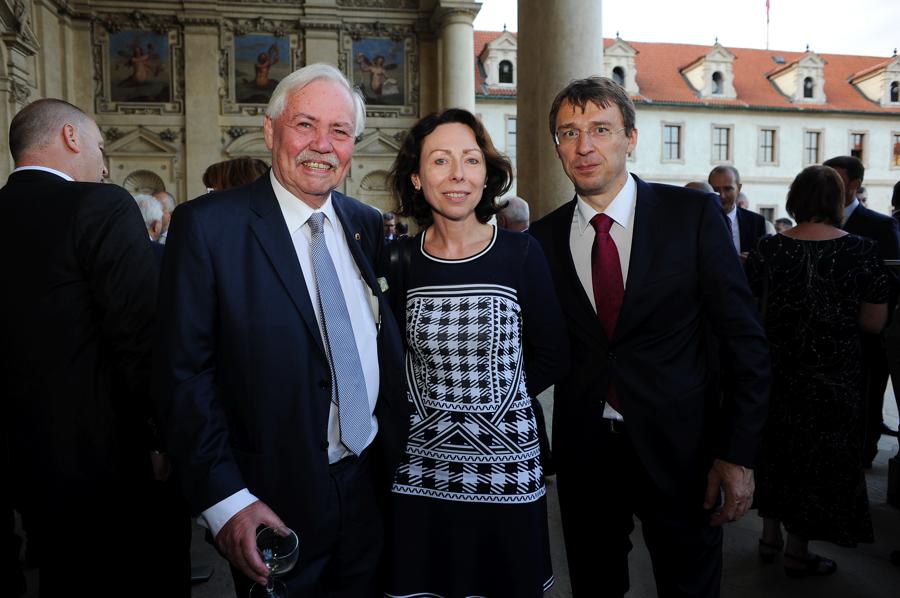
(354, 234)
(581, 308)
(644, 233)
(271, 232)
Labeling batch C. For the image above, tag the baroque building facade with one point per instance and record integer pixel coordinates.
(768, 113)
(176, 85)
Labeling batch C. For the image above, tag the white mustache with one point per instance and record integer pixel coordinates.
(308, 156)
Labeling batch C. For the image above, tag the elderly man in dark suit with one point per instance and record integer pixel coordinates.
(77, 327)
(281, 365)
(860, 220)
(639, 269)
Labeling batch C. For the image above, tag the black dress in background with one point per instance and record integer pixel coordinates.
(810, 471)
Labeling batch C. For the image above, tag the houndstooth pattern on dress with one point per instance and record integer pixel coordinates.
(473, 437)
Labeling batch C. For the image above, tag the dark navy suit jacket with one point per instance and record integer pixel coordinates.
(245, 383)
(683, 272)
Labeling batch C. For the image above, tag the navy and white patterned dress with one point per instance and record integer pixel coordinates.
(468, 511)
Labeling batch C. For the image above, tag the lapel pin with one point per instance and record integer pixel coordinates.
(357, 236)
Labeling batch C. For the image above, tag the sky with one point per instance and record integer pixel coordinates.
(863, 27)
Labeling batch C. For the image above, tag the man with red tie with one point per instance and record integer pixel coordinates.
(641, 269)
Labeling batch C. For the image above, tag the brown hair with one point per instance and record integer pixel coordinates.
(817, 195)
(412, 203)
(234, 173)
(602, 91)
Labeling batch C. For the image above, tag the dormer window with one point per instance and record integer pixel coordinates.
(712, 74)
(808, 87)
(618, 75)
(895, 91)
(717, 83)
(506, 71)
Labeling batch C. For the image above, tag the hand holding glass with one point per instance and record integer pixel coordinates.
(279, 553)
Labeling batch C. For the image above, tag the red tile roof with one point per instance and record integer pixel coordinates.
(659, 77)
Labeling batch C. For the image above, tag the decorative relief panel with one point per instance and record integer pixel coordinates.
(255, 55)
(138, 64)
(383, 62)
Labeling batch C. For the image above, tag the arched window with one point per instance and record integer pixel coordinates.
(717, 83)
(808, 87)
(618, 75)
(506, 71)
(895, 91)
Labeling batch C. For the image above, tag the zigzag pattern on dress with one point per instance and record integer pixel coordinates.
(473, 436)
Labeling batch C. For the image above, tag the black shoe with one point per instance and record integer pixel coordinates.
(886, 431)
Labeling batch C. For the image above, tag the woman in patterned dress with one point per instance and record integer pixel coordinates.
(821, 286)
(484, 333)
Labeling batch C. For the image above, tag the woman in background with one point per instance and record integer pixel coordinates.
(819, 286)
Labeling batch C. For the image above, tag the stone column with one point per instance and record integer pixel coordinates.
(558, 41)
(201, 119)
(457, 42)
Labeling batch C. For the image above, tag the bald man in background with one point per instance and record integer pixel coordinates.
(77, 327)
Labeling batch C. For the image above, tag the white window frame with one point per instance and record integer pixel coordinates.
(803, 148)
(729, 148)
(776, 154)
(681, 148)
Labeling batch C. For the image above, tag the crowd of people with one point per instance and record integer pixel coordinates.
(277, 354)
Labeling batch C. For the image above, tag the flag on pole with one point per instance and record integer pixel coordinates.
(767, 12)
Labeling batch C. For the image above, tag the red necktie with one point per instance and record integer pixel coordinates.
(606, 278)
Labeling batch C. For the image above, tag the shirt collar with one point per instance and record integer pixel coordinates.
(619, 209)
(849, 209)
(732, 215)
(46, 169)
(296, 212)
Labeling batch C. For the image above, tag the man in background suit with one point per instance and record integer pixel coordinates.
(746, 227)
(860, 220)
(276, 417)
(77, 332)
(639, 268)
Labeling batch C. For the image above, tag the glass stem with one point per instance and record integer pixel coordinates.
(270, 584)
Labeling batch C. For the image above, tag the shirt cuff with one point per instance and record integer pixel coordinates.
(215, 517)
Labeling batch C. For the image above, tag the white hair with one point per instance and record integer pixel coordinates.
(151, 210)
(317, 72)
(166, 199)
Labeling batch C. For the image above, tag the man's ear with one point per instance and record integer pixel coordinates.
(70, 138)
(156, 228)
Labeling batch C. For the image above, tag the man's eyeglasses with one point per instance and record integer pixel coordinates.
(570, 136)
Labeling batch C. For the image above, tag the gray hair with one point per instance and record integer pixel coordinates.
(317, 72)
(167, 199)
(34, 127)
(516, 210)
(700, 186)
(150, 208)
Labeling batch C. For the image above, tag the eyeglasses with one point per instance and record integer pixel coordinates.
(570, 136)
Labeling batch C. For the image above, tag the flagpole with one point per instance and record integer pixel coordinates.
(767, 24)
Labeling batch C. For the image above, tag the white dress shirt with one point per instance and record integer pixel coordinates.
(359, 305)
(581, 241)
(848, 210)
(735, 231)
(45, 169)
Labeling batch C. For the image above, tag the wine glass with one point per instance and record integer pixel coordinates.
(279, 551)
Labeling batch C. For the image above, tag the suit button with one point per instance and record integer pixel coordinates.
(324, 445)
(323, 384)
(612, 356)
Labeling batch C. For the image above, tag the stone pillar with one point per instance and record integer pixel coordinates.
(558, 41)
(457, 42)
(201, 119)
